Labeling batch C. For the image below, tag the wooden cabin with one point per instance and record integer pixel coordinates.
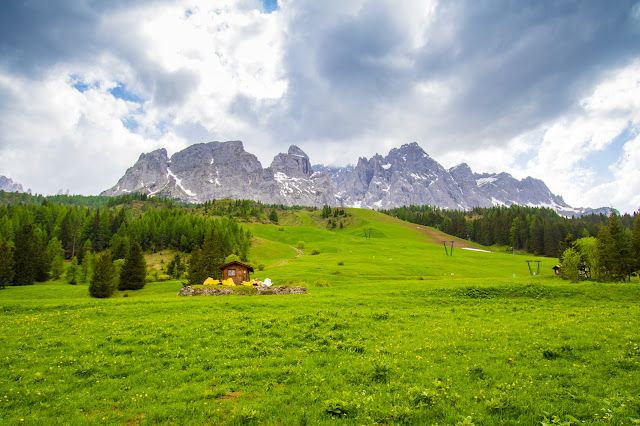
(237, 271)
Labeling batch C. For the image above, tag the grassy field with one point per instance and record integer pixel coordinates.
(392, 331)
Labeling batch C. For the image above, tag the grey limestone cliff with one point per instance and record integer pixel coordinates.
(8, 185)
(405, 176)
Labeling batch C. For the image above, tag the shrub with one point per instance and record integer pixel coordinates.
(314, 252)
(260, 266)
(321, 283)
(340, 263)
(300, 245)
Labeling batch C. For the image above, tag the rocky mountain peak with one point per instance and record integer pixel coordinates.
(405, 176)
(295, 163)
(8, 185)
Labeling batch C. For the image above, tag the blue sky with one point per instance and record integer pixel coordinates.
(543, 89)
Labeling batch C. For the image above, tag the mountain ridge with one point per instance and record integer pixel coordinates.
(406, 175)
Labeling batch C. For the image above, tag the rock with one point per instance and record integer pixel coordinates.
(405, 176)
(186, 291)
(282, 290)
(8, 185)
(216, 291)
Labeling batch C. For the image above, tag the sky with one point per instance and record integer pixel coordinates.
(545, 89)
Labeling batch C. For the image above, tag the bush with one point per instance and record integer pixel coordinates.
(300, 245)
(164, 277)
(260, 266)
(314, 252)
(321, 283)
(340, 263)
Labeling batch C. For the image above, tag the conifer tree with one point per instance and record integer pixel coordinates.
(134, 271)
(25, 255)
(635, 241)
(614, 250)
(621, 249)
(6, 265)
(72, 272)
(273, 216)
(103, 282)
(195, 274)
(212, 257)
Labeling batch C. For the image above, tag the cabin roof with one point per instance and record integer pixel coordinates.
(235, 262)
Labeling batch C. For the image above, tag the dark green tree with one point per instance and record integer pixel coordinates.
(196, 276)
(212, 256)
(103, 282)
(25, 255)
(6, 265)
(326, 211)
(273, 216)
(614, 251)
(134, 271)
(623, 264)
(635, 241)
(175, 268)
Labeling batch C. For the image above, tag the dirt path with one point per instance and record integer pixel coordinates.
(438, 237)
(284, 262)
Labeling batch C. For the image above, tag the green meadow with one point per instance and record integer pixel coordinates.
(393, 331)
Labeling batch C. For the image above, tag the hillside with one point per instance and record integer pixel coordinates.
(392, 331)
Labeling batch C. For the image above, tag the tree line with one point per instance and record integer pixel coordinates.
(614, 255)
(36, 239)
(533, 229)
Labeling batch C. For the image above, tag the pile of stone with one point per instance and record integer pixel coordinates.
(190, 291)
(281, 289)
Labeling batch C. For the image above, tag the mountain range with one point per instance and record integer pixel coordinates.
(8, 185)
(405, 176)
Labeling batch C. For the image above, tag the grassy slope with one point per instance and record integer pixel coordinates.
(379, 345)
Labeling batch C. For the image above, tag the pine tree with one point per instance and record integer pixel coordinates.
(6, 265)
(103, 281)
(195, 274)
(72, 272)
(212, 257)
(635, 241)
(273, 216)
(134, 272)
(25, 255)
(621, 249)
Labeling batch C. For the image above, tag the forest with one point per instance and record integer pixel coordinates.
(38, 234)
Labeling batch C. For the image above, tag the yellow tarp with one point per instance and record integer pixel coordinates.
(228, 282)
(249, 283)
(210, 281)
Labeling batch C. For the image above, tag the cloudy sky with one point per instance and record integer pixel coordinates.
(546, 89)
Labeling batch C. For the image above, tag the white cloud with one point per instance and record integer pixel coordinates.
(340, 79)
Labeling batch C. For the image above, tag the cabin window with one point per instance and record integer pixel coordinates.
(231, 273)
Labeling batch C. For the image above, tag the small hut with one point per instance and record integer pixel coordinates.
(237, 271)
